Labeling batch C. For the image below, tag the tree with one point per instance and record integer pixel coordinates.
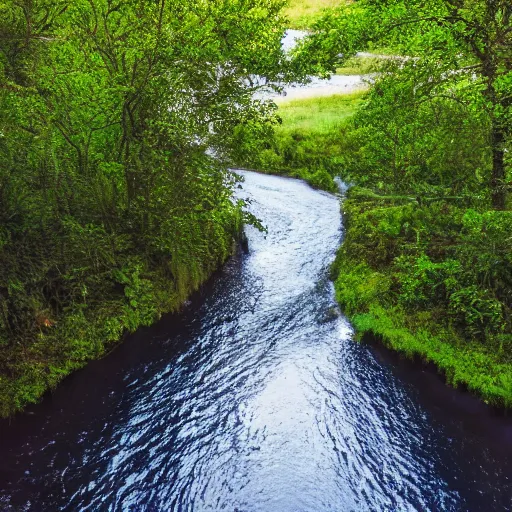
(457, 49)
(117, 124)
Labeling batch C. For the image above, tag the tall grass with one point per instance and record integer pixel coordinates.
(360, 66)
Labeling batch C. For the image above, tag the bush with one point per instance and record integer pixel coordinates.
(478, 311)
(423, 283)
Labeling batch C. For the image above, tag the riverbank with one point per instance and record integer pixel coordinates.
(406, 294)
(115, 197)
(408, 270)
(120, 299)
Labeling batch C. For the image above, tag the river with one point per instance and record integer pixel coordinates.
(317, 87)
(256, 398)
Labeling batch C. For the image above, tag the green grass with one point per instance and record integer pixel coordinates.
(317, 115)
(303, 13)
(463, 363)
(359, 66)
(306, 144)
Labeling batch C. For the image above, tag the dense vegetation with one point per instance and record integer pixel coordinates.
(427, 259)
(117, 122)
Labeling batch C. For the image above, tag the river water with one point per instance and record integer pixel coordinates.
(317, 87)
(256, 398)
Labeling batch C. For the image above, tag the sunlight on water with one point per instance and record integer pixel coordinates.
(256, 398)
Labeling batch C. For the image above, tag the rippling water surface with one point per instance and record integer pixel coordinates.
(255, 398)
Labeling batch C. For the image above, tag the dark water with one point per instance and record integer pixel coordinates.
(256, 399)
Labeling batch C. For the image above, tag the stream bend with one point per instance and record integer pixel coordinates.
(256, 398)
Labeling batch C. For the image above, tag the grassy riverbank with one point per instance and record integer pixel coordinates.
(427, 259)
(117, 290)
(409, 274)
(428, 274)
(306, 144)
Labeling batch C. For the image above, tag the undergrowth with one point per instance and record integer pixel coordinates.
(432, 281)
(75, 307)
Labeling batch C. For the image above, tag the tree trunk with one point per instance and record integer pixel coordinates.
(498, 190)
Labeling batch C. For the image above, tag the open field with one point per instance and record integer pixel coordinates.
(317, 115)
(304, 12)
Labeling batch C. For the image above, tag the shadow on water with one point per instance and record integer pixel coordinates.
(451, 405)
(255, 398)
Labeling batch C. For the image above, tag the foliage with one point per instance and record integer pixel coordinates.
(431, 280)
(117, 123)
(305, 143)
(434, 261)
(456, 52)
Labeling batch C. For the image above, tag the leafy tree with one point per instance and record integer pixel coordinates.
(118, 120)
(458, 50)
(425, 263)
